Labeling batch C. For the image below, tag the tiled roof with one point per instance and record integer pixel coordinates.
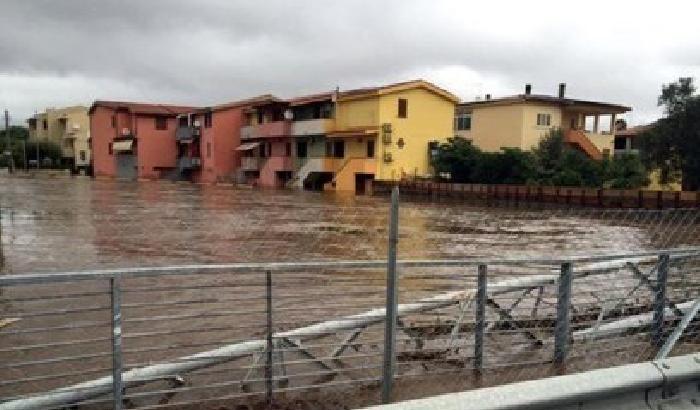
(633, 131)
(258, 100)
(549, 99)
(144, 108)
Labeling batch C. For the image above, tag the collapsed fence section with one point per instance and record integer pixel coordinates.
(242, 333)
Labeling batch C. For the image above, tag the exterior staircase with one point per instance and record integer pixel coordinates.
(578, 139)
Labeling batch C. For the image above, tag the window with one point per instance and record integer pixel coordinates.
(339, 149)
(301, 149)
(83, 155)
(288, 149)
(161, 123)
(463, 122)
(45, 124)
(109, 149)
(620, 143)
(403, 108)
(114, 121)
(208, 149)
(544, 120)
(208, 120)
(182, 121)
(370, 149)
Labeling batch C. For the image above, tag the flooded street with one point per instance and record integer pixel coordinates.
(77, 224)
(59, 333)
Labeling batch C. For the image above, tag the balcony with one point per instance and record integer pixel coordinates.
(319, 126)
(280, 163)
(250, 163)
(189, 163)
(186, 134)
(268, 129)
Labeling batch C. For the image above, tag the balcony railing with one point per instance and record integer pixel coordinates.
(268, 129)
(250, 163)
(186, 134)
(319, 126)
(189, 163)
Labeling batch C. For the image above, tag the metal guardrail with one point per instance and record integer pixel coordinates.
(668, 384)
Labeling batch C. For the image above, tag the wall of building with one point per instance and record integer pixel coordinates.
(156, 149)
(357, 113)
(430, 117)
(533, 133)
(102, 134)
(498, 126)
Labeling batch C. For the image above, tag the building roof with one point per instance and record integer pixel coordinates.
(248, 102)
(311, 98)
(143, 108)
(546, 99)
(395, 87)
(634, 131)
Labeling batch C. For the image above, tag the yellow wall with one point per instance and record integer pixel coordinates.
(430, 118)
(494, 127)
(533, 133)
(357, 113)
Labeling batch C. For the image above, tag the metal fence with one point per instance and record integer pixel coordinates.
(55, 330)
(316, 334)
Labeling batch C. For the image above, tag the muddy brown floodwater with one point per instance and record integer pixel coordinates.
(61, 224)
(62, 337)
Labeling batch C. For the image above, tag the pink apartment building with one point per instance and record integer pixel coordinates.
(134, 140)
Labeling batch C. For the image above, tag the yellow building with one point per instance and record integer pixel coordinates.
(521, 121)
(370, 133)
(68, 127)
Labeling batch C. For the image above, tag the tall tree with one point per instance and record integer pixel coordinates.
(672, 145)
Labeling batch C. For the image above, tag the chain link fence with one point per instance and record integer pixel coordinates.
(213, 297)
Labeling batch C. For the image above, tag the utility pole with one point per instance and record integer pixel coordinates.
(8, 148)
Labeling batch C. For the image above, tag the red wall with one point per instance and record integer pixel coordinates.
(155, 148)
(223, 136)
(102, 134)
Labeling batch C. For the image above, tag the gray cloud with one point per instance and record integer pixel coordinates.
(204, 52)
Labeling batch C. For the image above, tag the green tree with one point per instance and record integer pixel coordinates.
(625, 172)
(672, 145)
(458, 158)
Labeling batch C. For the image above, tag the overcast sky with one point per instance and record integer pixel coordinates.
(55, 53)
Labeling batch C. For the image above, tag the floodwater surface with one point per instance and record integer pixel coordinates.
(77, 224)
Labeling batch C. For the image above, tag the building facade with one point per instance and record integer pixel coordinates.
(343, 140)
(134, 140)
(69, 128)
(521, 121)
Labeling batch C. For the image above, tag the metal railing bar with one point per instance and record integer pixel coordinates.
(55, 297)
(59, 312)
(55, 376)
(54, 344)
(28, 278)
(99, 325)
(56, 360)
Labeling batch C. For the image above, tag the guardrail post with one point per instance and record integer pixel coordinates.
(657, 330)
(391, 300)
(268, 358)
(563, 324)
(117, 386)
(480, 323)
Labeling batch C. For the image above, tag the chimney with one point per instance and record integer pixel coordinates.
(562, 90)
(488, 97)
(528, 89)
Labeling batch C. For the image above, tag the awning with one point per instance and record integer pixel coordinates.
(248, 146)
(122, 146)
(352, 134)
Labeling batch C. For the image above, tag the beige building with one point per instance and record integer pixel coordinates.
(521, 121)
(68, 127)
